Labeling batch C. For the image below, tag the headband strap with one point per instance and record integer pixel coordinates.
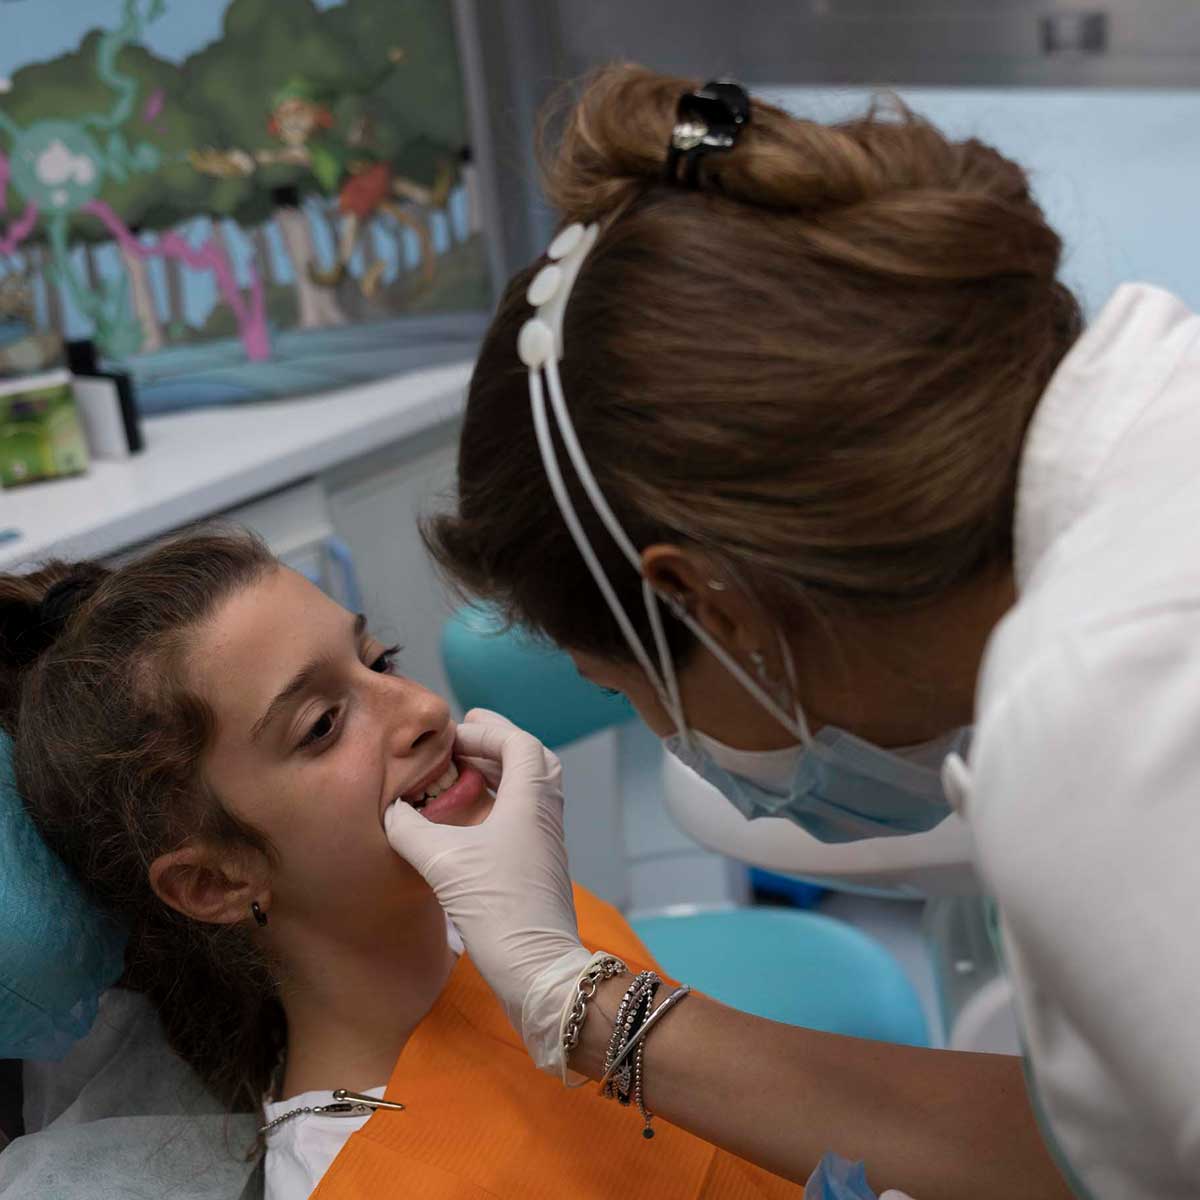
(540, 348)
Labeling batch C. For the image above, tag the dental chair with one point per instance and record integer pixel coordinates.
(799, 967)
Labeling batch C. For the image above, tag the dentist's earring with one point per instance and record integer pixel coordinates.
(677, 604)
(760, 667)
(260, 917)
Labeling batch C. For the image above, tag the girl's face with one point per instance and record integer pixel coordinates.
(316, 734)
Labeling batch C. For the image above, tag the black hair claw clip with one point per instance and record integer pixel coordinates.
(706, 121)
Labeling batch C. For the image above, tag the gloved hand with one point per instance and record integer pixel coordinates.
(504, 883)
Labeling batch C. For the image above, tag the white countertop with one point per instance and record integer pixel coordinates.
(199, 463)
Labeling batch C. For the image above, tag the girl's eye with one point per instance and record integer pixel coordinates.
(321, 728)
(383, 664)
(610, 691)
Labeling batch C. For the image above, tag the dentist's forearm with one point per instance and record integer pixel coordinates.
(938, 1124)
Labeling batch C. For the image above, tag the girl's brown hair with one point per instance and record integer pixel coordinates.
(818, 365)
(107, 747)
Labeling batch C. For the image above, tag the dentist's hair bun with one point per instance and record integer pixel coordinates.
(886, 189)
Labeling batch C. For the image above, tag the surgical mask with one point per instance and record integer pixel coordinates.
(840, 788)
(835, 785)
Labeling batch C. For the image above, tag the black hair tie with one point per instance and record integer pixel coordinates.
(707, 121)
(61, 602)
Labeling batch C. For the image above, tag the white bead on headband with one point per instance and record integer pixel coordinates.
(540, 347)
(542, 334)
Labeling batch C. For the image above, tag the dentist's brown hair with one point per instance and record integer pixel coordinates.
(819, 365)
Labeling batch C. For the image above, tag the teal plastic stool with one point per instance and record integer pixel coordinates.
(797, 967)
(531, 683)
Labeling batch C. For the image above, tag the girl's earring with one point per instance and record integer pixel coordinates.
(259, 916)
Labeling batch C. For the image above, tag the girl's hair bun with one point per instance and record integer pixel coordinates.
(35, 610)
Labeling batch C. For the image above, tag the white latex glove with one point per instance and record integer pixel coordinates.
(504, 883)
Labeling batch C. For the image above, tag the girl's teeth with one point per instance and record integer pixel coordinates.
(440, 785)
(448, 778)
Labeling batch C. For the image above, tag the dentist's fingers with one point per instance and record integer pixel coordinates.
(485, 716)
(488, 769)
(421, 843)
(525, 767)
(505, 745)
(478, 746)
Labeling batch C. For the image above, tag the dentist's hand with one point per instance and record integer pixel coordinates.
(504, 883)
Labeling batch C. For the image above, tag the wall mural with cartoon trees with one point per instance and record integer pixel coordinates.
(237, 199)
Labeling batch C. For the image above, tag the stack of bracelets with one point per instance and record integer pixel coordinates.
(624, 1064)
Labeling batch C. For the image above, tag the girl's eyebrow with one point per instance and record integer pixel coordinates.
(298, 683)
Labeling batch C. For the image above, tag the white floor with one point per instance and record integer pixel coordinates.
(666, 868)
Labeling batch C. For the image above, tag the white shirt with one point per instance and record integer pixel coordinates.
(1084, 784)
(302, 1149)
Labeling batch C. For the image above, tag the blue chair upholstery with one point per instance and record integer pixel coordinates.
(532, 684)
(57, 952)
(798, 967)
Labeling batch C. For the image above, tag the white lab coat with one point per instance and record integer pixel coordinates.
(1083, 788)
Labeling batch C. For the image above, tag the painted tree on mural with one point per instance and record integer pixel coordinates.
(58, 168)
(420, 111)
(348, 68)
(268, 42)
(146, 201)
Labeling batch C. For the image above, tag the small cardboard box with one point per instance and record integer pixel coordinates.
(40, 433)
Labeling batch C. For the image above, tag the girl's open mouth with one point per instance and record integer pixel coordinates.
(450, 793)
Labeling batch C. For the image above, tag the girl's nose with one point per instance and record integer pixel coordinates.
(416, 716)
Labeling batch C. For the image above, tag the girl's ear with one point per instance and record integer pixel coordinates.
(215, 885)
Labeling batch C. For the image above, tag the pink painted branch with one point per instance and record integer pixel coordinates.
(19, 230)
(252, 323)
(22, 227)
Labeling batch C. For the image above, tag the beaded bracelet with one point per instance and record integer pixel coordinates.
(636, 1046)
(625, 1080)
(631, 1014)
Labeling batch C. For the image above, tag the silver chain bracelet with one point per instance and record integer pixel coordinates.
(589, 981)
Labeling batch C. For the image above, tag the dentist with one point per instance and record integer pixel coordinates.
(796, 439)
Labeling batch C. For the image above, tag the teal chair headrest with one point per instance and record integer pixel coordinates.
(57, 951)
(531, 683)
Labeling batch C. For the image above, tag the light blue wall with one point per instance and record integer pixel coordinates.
(1117, 172)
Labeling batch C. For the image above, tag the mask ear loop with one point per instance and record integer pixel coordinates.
(667, 682)
(541, 426)
(789, 667)
(795, 724)
(539, 346)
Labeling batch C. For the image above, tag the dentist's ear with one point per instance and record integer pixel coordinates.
(703, 588)
(212, 884)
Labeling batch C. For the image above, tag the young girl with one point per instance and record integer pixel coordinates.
(211, 743)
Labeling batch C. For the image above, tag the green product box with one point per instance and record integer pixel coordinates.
(40, 433)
